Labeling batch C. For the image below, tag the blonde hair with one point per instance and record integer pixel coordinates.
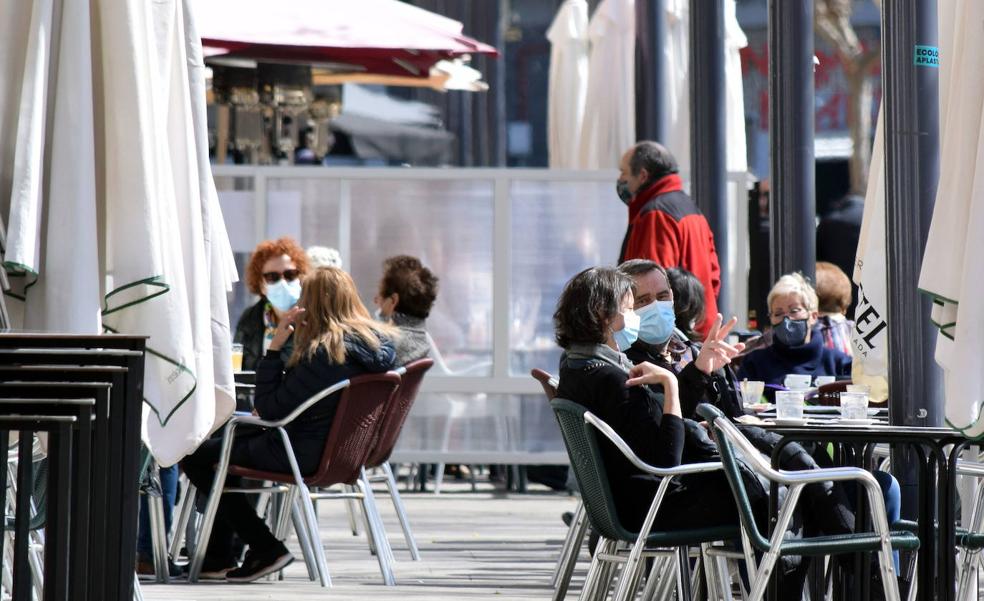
(794, 283)
(332, 309)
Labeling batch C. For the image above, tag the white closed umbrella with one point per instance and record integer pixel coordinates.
(869, 339)
(133, 128)
(608, 128)
(568, 85)
(951, 271)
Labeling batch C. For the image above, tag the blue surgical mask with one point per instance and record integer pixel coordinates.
(657, 322)
(627, 336)
(791, 332)
(283, 295)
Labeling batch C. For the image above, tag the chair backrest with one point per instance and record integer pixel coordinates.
(548, 382)
(589, 470)
(398, 409)
(728, 436)
(356, 425)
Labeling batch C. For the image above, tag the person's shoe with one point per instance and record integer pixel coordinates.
(211, 570)
(567, 517)
(261, 563)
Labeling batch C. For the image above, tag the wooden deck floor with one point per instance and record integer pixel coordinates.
(473, 545)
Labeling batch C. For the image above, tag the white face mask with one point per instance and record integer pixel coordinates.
(629, 333)
(283, 295)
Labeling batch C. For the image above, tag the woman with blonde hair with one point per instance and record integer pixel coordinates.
(335, 338)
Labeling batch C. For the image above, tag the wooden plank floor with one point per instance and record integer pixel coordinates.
(472, 545)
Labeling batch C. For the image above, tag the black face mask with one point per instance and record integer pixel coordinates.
(622, 189)
(791, 332)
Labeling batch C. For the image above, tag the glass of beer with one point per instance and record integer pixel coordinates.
(237, 357)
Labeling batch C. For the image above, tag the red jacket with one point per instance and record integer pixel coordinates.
(667, 227)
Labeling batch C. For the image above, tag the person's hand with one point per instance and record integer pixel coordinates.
(716, 353)
(647, 373)
(285, 327)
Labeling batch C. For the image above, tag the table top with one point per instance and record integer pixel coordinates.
(874, 430)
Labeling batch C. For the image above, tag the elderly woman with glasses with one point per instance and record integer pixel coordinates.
(797, 346)
(275, 271)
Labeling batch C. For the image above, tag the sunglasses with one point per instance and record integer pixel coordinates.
(272, 277)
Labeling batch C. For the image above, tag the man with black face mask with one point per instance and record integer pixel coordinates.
(665, 225)
(797, 347)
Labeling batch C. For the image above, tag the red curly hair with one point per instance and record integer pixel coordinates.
(269, 249)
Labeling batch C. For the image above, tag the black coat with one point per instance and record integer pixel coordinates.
(249, 333)
(279, 392)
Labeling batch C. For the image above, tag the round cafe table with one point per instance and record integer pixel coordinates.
(936, 469)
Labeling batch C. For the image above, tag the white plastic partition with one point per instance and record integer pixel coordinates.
(503, 243)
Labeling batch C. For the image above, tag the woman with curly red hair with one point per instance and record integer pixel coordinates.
(275, 272)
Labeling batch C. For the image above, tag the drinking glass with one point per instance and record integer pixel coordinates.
(751, 391)
(789, 404)
(797, 381)
(854, 406)
(237, 357)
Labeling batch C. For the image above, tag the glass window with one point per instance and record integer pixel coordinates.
(558, 229)
(448, 225)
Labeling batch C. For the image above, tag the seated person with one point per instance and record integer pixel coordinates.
(275, 272)
(688, 301)
(335, 339)
(797, 345)
(594, 322)
(406, 295)
(834, 299)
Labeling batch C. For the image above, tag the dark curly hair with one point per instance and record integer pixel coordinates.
(588, 303)
(269, 249)
(688, 300)
(416, 285)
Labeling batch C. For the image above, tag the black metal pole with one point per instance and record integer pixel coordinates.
(708, 140)
(792, 214)
(650, 70)
(911, 123)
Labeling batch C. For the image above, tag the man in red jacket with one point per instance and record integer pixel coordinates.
(664, 223)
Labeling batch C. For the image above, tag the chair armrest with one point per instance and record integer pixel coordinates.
(679, 470)
(299, 409)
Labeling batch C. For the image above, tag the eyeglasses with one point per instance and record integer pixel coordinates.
(272, 277)
(795, 313)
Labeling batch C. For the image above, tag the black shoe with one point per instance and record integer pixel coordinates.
(567, 517)
(261, 563)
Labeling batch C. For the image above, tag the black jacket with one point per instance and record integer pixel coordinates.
(249, 333)
(696, 387)
(279, 392)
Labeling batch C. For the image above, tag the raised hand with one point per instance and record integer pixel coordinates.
(716, 353)
(285, 327)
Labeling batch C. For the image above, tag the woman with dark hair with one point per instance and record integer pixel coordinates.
(688, 301)
(406, 295)
(594, 323)
(274, 273)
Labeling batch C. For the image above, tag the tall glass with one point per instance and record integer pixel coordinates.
(237, 357)
(789, 404)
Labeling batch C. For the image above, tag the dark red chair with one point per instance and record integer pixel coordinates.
(396, 415)
(356, 425)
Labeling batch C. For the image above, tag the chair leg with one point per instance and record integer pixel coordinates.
(438, 478)
(377, 533)
(303, 538)
(570, 553)
(401, 511)
(155, 506)
(351, 509)
(218, 483)
(365, 517)
(593, 578)
(137, 592)
(178, 526)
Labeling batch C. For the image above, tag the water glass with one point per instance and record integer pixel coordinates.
(237, 357)
(854, 406)
(797, 381)
(789, 404)
(751, 391)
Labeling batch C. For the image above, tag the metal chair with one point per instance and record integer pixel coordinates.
(579, 428)
(355, 426)
(883, 541)
(396, 414)
(578, 529)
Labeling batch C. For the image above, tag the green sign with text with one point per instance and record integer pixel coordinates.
(927, 56)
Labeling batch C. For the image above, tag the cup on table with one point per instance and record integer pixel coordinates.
(824, 380)
(789, 404)
(854, 405)
(237, 357)
(751, 391)
(797, 381)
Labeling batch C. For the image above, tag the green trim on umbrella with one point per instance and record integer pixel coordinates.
(153, 281)
(177, 364)
(963, 430)
(18, 268)
(935, 296)
(14, 296)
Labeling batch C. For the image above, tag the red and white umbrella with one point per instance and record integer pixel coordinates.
(372, 36)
